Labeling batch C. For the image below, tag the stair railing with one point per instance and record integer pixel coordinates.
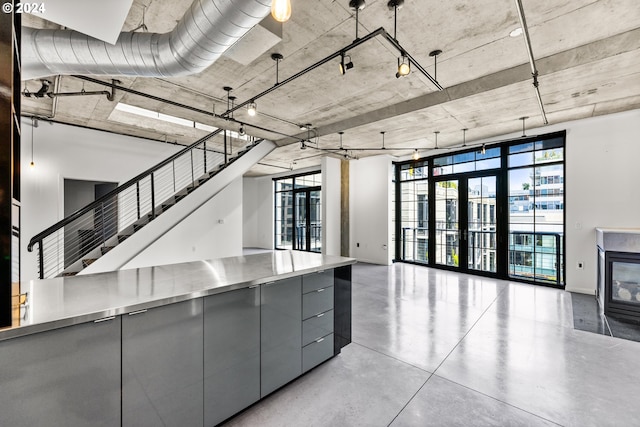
(119, 213)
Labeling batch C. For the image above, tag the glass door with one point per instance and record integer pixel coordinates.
(447, 230)
(300, 221)
(308, 220)
(466, 223)
(481, 224)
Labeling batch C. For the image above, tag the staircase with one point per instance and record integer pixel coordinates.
(112, 230)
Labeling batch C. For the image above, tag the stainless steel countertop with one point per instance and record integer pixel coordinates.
(65, 301)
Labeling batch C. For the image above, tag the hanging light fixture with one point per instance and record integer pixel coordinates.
(404, 67)
(464, 137)
(252, 109)
(241, 131)
(281, 10)
(344, 66)
(484, 150)
(415, 155)
(34, 125)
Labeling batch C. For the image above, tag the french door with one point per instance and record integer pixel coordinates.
(307, 231)
(466, 223)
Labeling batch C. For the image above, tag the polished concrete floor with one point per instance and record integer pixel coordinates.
(437, 348)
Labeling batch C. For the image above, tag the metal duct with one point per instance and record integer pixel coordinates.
(205, 31)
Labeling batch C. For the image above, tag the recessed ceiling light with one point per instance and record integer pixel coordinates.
(515, 33)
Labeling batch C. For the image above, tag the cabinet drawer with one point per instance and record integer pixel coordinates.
(317, 327)
(317, 352)
(317, 302)
(315, 281)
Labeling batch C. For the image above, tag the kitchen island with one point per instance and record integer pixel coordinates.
(183, 344)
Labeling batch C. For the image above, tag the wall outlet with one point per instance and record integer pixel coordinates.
(580, 265)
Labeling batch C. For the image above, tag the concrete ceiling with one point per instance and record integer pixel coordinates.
(587, 53)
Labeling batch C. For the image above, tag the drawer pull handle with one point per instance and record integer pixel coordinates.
(320, 315)
(137, 312)
(269, 283)
(321, 290)
(253, 287)
(105, 319)
(319, 340)
(320, 272)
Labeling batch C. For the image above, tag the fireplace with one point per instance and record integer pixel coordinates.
(619, 273)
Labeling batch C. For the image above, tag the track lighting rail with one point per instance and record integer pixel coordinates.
(337, 54)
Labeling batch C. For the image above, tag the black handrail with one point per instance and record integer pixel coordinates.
(77, 214)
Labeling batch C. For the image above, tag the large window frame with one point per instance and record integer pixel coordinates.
(472, 162)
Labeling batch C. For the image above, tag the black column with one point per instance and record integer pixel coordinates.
(341, 308)
(9, 153)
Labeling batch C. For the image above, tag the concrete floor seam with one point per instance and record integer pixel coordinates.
(393, 357)
(410, 399)
(494, 398)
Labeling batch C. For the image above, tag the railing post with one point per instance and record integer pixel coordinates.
(102, 223)
(558, 268)
(138, 197)
(225, 146)
(404, 243)
(41, 259)
(153, 197)
(193, 179)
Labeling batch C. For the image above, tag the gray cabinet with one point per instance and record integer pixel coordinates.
(318, 318)
(231, 353)
(64, 377)
(162, 366)
(281, 333)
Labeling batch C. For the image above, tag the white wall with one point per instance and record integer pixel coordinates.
(369, 208)
(331, 227)
(257, 228)
(62, 151)
(213, 231)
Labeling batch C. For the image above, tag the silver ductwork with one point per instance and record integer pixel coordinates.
(205, 31)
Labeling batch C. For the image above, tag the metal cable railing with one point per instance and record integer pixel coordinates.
(118, 214)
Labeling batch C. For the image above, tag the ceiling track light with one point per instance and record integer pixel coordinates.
(464, 137)
(302, 145)
(252, 109)
(281, 10)
(341, 133)
(436, 146)
(344, 66)
(404, 67)
(242, 131)
(415, 155)
(382, 133)
(484, 150)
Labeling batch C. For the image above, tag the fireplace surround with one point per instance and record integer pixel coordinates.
(618, 289)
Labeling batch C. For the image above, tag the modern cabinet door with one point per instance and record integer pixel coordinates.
(64, 377)
(162, 366)
(281, 333)
(231, 353)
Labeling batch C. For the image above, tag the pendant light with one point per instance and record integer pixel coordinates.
(415, 156)
(281, 10)
(252, 109)
(34, 125)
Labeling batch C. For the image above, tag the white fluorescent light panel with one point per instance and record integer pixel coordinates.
(132, 109)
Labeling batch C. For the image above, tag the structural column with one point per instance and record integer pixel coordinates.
(9, 158)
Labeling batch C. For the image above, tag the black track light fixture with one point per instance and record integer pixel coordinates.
(242, 131)
(252, 109)
(357, 4)
(302, 145)
(345, 64)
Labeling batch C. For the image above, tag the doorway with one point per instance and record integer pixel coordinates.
(308, 220)
(466, 223)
